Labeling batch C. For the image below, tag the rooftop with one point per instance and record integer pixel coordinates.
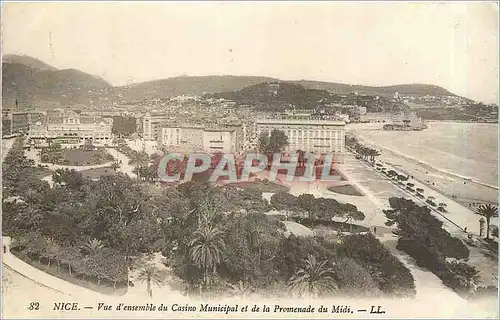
(302, 121)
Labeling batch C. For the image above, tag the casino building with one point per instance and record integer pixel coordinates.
(70, 127)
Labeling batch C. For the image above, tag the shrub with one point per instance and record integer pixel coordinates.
(482, 292)
(391, 275)
(430, 202)
(494, 231)
(355, 280)
(421, 236)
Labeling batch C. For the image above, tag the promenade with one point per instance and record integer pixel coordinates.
(43, 278)
(123, 160)
(458, 217)
(467, 190)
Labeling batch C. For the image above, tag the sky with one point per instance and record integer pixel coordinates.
(450, 44)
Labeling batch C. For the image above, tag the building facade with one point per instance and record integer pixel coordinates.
(151, 125)
(15, 122)
(71, 128)
(198, 138)
(308, 134)
(182, 138)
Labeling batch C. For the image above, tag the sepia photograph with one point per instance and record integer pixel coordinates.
(250, 159)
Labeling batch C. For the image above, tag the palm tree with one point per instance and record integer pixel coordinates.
(151, 275)
(488, 211)
(240, 289)
(52, 251)
(374, 154)
(93, 245)
(351, 215)
(115, 165)
(206, 248)
(139, 159)
(315, 278)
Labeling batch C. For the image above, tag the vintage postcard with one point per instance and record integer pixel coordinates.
(290, 159)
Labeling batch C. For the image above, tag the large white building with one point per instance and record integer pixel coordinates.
(151, 124)
(198, 138)
(307, 134)
(71, 128)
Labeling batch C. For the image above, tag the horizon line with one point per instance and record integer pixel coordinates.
(241, 75)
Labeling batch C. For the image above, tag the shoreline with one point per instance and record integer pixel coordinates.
(426, 164)
(467, 190)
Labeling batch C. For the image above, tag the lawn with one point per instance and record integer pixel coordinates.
(76, 157)
(298, 229)
(262, 186)
(347, 189)
(330, 225)
(40, 172)
(299, 172)
(96, 173)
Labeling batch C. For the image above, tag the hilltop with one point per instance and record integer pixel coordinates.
(275, 94)
(405, 89)
(27, 61)
(31, 81)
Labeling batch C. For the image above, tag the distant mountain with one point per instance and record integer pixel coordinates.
(186, 85)
(29, 86)
(405, 89)
(33, 82)
(28, 61)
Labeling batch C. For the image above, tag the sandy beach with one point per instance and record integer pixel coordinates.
(468, 189)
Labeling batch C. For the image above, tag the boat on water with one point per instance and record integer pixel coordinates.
(405, 122)
(404, 127)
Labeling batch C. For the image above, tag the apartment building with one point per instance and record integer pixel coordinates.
(151, 125)
(310, 134)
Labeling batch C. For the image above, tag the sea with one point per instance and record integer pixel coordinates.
(465, 150)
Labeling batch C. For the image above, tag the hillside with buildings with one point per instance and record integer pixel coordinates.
(27, 81)
(273, 95)
(186, 85)
(383, 91)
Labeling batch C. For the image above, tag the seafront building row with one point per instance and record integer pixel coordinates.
(306, 132)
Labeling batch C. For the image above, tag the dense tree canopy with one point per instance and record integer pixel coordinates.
(422, 236)
(215, 239)
(273, 142)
